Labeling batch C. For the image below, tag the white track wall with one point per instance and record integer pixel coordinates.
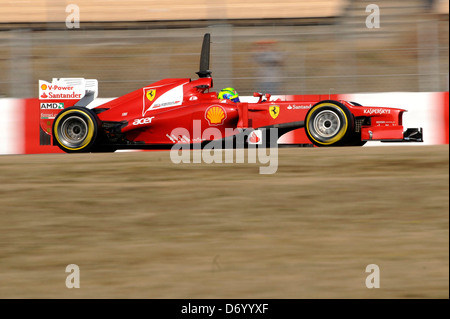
(19, 131)
(12, 126)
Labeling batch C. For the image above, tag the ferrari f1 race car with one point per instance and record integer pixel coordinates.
(174, 111)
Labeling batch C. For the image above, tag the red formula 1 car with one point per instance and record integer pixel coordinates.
(174, 111)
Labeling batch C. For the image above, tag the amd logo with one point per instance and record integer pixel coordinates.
(52, 106)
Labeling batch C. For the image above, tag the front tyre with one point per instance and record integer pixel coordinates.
(75, 130)
(329, 123)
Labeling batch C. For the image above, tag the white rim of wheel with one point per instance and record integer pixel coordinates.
(326, 124)
(73, 131)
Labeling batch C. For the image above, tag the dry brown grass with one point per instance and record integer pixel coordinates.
(139, 226)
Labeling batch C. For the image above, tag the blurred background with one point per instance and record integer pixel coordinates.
(140, 226)
(284, 47)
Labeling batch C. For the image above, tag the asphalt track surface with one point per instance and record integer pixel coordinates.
(140, 226)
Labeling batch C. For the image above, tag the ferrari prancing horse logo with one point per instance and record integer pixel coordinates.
(274, 111)
(150, 95)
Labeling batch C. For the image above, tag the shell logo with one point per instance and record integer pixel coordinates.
(215, 115)
(44, 86)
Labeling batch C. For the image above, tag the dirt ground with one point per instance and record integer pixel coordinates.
(140, 226)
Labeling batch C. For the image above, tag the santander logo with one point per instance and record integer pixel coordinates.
(254, 138)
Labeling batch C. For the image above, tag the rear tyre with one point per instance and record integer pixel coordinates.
(75, 129)
(329, 123)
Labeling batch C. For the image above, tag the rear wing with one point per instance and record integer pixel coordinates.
(67, 89)
(59, 94)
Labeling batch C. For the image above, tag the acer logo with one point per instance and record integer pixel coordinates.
(146, 120)
(377, 111)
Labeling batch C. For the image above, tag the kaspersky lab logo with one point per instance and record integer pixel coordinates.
(52, 106)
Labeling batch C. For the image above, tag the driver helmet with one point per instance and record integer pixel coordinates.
(229, 94)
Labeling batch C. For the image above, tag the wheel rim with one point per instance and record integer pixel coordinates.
(326, 124)
(73, 131)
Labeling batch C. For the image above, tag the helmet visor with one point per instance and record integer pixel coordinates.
(229, 96)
